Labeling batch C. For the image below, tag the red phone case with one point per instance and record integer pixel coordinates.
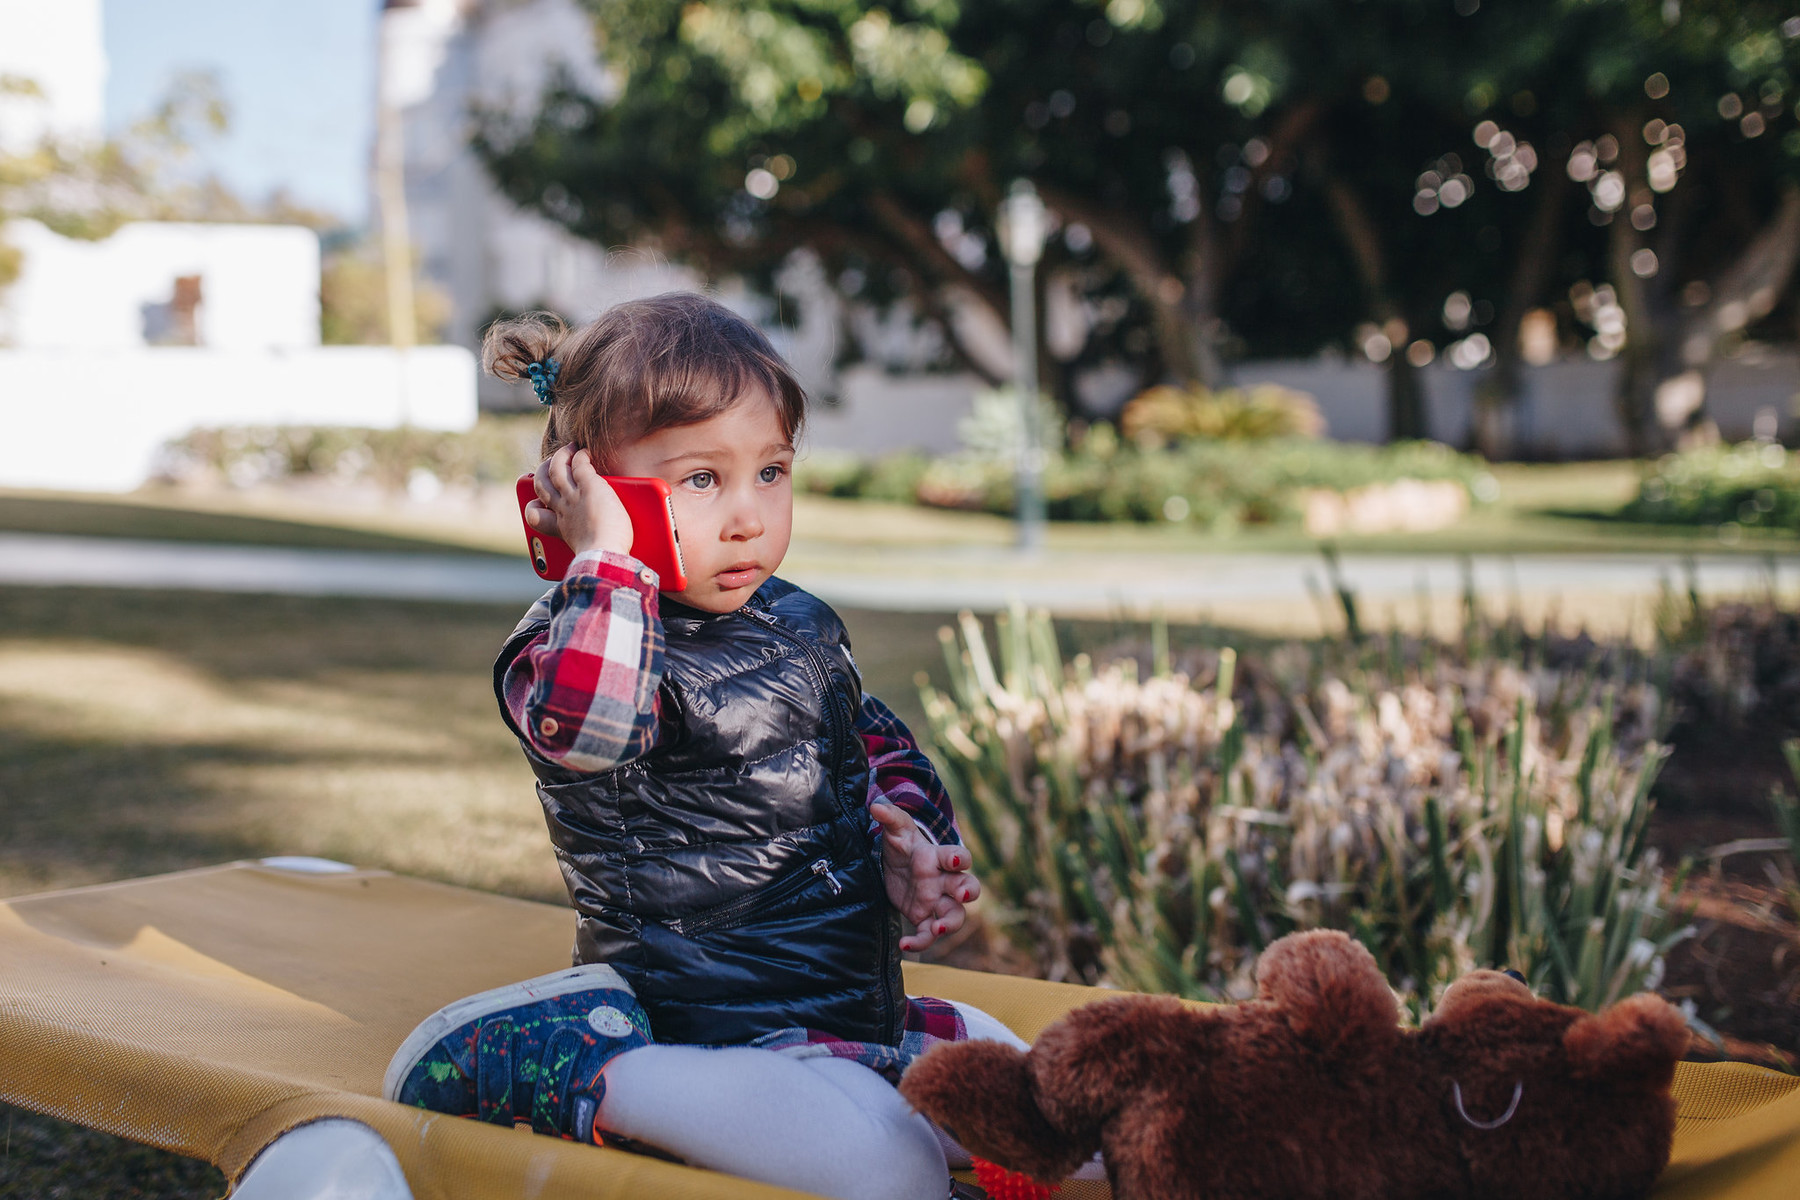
(654, 541)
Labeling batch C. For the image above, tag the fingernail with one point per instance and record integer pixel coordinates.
(938, 928)
(965, 896)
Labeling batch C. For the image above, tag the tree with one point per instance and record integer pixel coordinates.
(1260, 176)
(1705, 238)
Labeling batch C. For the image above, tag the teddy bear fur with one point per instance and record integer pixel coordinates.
(1313, 1089)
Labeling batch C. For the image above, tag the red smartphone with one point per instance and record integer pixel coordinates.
(653, 539)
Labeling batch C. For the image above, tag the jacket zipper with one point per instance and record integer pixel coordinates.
(828, 700)
(736, 912)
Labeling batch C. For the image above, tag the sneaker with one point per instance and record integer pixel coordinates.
(527, 1052)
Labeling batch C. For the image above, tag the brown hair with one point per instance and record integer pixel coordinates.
(642, 366)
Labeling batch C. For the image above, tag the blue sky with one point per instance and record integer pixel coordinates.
(299, 76)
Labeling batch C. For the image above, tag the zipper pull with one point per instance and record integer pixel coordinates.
(822, 868)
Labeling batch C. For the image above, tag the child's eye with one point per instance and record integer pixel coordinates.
(700, 480)
(772, 472)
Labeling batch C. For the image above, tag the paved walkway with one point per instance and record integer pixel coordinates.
(899, 580)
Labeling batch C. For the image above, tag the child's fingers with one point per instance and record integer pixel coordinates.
(542, 518)
(925, 935)
(582, 468)
(953, 858)
(894, 823)
(950, 918)
(964, 889)
(553, 476)
(540, 481)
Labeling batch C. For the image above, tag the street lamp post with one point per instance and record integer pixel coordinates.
(1023, 227)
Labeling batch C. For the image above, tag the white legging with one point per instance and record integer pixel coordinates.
(823, 1125)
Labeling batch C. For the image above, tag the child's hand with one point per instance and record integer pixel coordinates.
(576, 504)
(928, 883)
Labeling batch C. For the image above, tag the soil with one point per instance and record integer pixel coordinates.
(1741, 969)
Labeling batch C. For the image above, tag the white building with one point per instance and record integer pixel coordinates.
(54, 63)
(114, 347)
(225, 287)
(441, 59)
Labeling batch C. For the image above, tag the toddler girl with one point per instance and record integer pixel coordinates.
(748, 840)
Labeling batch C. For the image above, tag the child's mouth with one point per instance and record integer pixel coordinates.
(737, 575)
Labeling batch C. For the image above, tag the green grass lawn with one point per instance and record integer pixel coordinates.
(178, 519)
(149, 731)
(1543, 508)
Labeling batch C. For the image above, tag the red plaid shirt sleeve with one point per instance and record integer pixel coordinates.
(901, 775)
(584, 693)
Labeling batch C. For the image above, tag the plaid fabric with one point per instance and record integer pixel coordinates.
(900, 774)
(928, 1022)
(585, 692)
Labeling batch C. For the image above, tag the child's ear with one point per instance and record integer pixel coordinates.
(1638, 1040)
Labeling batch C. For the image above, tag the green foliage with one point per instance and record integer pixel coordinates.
(1214, 484)
(890, 477)
(1754, 484)
(1211, 149)
(353, 301)
(1177, 414)
(88, 191)
(1451, 806)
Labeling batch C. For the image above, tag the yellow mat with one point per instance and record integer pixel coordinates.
(210, 1011)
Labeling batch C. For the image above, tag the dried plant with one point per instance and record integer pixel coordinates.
(1449, 806)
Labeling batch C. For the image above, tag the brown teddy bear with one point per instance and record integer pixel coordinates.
(1314, 1090)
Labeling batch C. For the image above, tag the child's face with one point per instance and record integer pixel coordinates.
(733, 490)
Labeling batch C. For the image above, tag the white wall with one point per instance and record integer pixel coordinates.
(94, 422)
(57, 45)
(472, 242)
(259, 285)
(877, 412)
(1566, 410)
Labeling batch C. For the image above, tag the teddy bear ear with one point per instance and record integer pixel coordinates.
(1638, 1040)
(1329, 989)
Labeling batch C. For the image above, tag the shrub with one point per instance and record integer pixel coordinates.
(890, 477)
(1175, 414)
(1450, 806)
(1208, 483)
(496, 451)
(1754, 484)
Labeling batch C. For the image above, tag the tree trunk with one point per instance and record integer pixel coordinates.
(1661, 396)
(1650, 314)
(1407, 417)
(1126, 242)
(1496, 433)
(945, 282)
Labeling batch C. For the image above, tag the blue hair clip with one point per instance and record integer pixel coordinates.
(543, 378)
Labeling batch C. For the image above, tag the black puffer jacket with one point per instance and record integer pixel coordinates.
(729, 874)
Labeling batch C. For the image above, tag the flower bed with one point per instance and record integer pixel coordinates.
(1449, 805)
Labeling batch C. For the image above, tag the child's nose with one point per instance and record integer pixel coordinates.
(745, 521)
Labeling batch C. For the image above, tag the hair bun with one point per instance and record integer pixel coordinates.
(509, 347)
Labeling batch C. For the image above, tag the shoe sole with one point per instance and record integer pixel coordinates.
(545, 987)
